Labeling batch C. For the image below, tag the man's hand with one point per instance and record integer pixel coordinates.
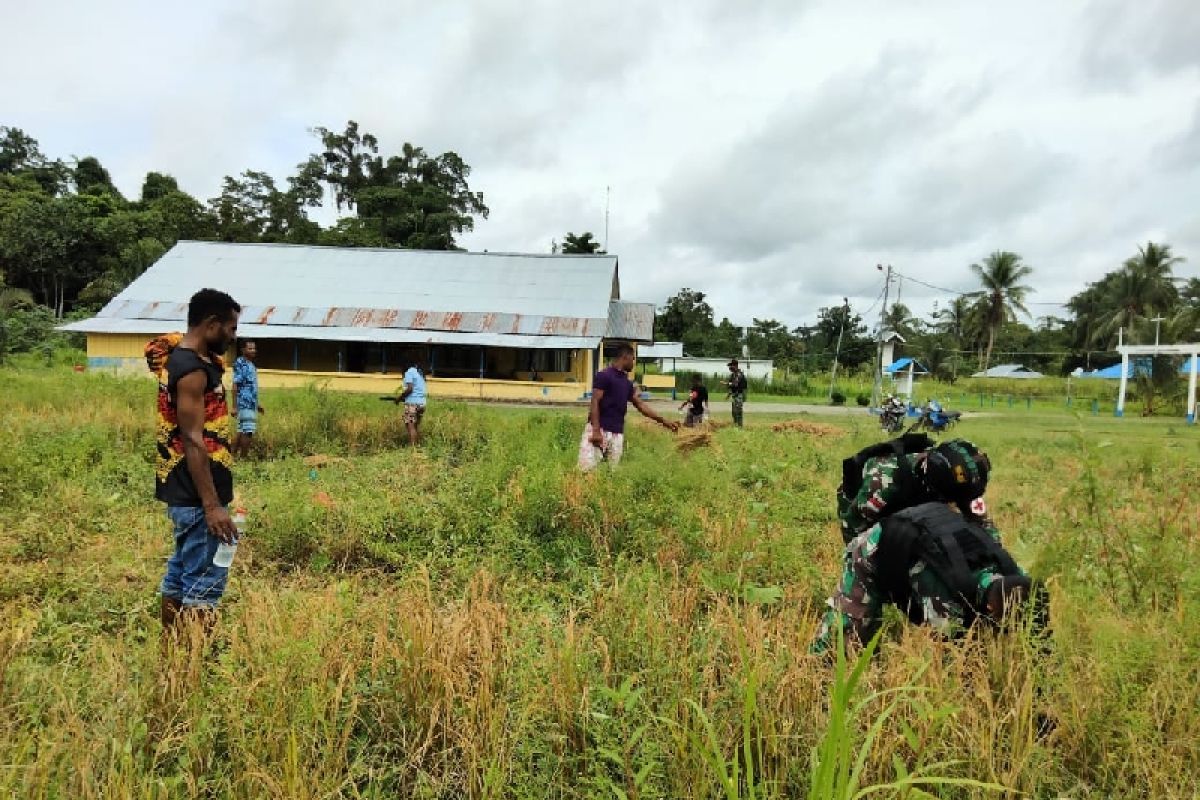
(261, 410)
(220, 524)
(671, 426)
(597, 438)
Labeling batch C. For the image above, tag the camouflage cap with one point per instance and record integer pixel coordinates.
(957, 470)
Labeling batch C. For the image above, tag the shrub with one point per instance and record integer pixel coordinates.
(837, 399)
(863, 400)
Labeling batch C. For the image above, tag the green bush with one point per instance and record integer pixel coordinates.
(837, 399)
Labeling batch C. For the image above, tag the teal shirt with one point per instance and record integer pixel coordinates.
(414, 377)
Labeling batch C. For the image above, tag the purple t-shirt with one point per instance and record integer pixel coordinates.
(618, 390)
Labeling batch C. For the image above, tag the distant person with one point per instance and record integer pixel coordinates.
(245, 390)
(414, 398)
(612, 392)
(737, 390)
(696, 403)
(938, 567)
(192, 473)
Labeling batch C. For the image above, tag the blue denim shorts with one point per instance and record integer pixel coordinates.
(191, 577)
(247, 421)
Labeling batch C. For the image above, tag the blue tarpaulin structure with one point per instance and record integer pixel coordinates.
(1137, 367)
(901, 365)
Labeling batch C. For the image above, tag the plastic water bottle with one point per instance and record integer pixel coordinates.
(225, 552)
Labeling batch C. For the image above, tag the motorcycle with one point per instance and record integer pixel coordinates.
(935, 419)
(891, 415)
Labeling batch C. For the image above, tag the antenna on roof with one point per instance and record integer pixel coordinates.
(607, 191)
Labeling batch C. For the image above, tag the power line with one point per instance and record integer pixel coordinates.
(957, 293)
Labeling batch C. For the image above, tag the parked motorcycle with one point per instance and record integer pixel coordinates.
(935, 419)
(891, 415)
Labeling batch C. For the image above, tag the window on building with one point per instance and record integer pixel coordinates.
(551, 361)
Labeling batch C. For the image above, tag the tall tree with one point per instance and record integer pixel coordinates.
(157, 186)
(686, 317)
(582, 244)
(1144, 287)
(415, 200)
(91, 177)
(1003, 294)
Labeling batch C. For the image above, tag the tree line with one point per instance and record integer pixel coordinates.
(70, 239)
(971, 331)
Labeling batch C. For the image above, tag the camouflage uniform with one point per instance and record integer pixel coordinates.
(858, 604)
(882, 493)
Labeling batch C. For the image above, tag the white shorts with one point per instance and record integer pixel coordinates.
(590, 456)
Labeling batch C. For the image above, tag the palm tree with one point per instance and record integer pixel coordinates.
(1143, 287)
(1002, 295)
(961, 321)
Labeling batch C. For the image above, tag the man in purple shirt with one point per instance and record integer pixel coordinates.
(612, 392)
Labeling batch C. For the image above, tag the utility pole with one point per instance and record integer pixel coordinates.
(878, 387)
(838, 350)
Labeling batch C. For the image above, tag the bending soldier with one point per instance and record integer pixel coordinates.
(905, 472)
(936, 565)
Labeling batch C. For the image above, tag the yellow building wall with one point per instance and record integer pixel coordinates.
(464, 388)
(124, 353)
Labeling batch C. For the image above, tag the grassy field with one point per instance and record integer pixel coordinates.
(477, 620)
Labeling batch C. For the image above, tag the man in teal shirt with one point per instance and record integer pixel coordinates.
(413, 396)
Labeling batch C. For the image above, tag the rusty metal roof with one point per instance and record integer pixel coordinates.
(251, 330)
(633, 321)
(348, 289)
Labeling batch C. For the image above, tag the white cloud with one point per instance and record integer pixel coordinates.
(769, 154)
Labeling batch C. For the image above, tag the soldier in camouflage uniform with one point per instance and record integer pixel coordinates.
(938, 566)
(954, 471)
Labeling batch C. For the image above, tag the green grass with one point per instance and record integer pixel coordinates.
(476, 619)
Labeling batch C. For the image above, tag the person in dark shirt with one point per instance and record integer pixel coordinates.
(192, 475)
(612, 392)
(696, 403)
(737, 391)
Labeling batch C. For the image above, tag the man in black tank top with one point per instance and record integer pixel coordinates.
(192, 474)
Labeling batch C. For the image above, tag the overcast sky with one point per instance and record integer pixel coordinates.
(768, 154)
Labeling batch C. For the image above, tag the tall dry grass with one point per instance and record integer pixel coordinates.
(478, 620)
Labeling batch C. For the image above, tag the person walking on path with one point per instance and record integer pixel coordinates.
(245, 390)
(612, 392)
(696, 403)
(193, 474)
(737, 390)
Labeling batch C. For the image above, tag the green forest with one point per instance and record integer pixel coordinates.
(70, 241)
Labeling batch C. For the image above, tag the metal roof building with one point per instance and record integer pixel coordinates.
(1008, 371)
(331, 311)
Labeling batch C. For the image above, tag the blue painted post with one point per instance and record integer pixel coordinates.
(1010, 401)
(432, 359)
(481, 363)
(981, 399)
(383, 358)
(1028, 403)
(1095, 407)
(296, 356)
